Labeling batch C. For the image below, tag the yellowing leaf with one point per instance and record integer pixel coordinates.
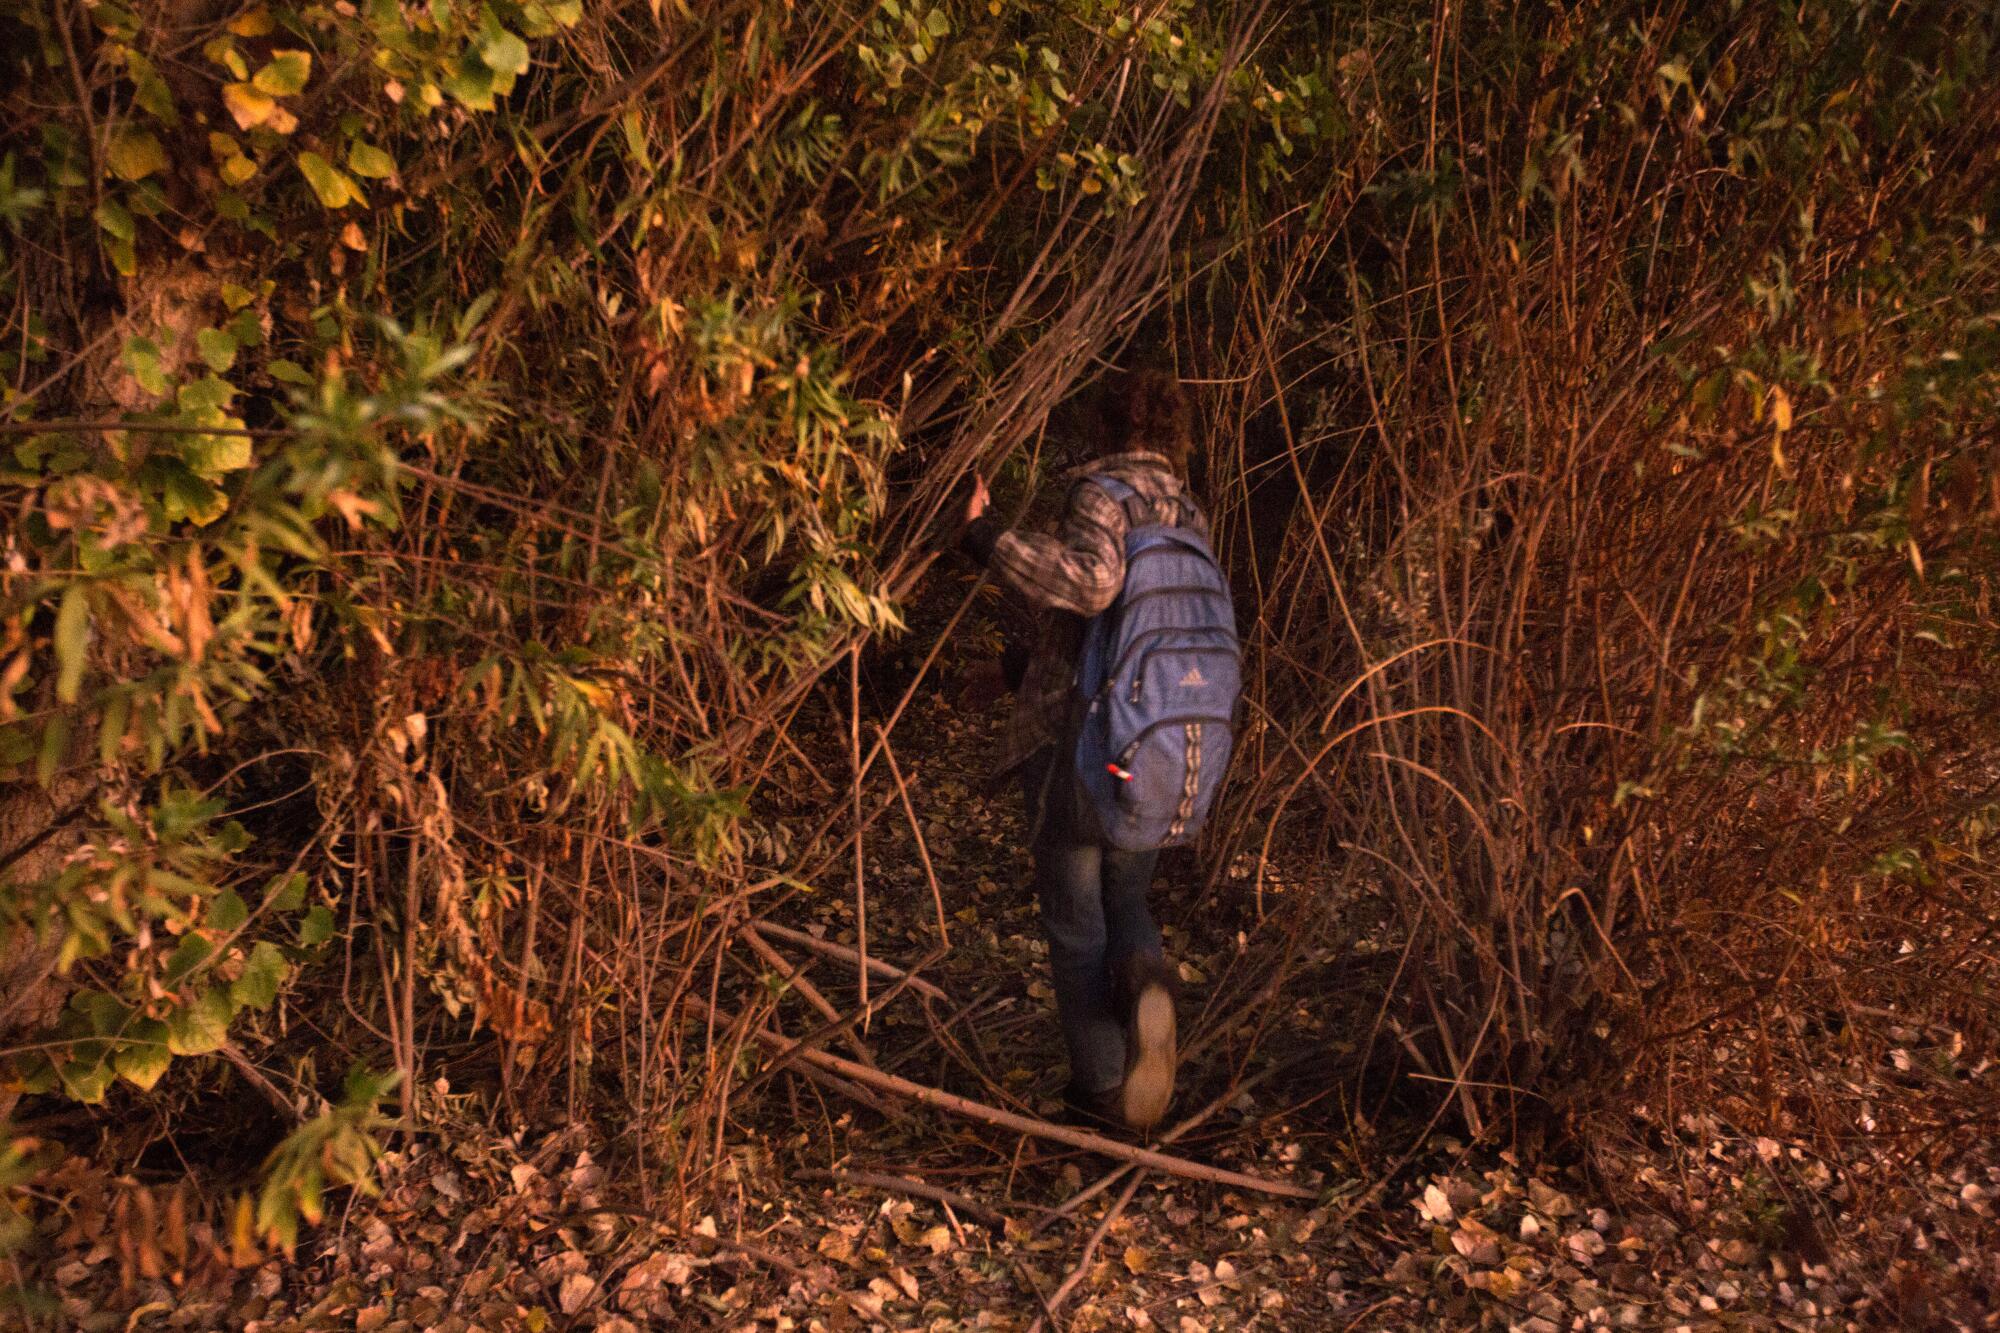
(1781, 409)
(334, 188)
(202, 1026)
(247, 106)
(256, 23)
(217, 348)
(1137, 1260)
(72, 636)
(146, 1057)
(503, 52)
(237, 170)
(285, 74)
(135, 155)
(367, 160)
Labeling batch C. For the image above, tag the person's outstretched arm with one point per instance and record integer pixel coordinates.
(1080, 569)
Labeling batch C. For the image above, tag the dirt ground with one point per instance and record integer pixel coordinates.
(833, 1213)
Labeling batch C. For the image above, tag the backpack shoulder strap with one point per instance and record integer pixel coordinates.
(1128, 499)
(1119, 491)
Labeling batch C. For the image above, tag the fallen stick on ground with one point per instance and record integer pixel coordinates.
(1054, 1303)
(840, 1023)
(1192, 1122)
(904, 1185)
(844, 954)
(1021, 1124)
(796, 977)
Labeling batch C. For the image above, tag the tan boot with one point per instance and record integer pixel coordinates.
(1150, 1054)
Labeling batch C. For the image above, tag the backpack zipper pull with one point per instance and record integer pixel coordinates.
(1118, 772)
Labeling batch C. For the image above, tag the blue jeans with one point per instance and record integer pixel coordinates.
(1094, 914)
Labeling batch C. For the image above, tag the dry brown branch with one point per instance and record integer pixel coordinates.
(1021, 1124)
(841, 953)
(1082, 1269)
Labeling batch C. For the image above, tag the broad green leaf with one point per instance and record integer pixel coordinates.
(116, 220)
(503, 52)
(87, 1081)
(201, 1027)
(145, 1057)
(286, 893)
(72, 639)
(332, 185)
(286, 73)
(106, 1014)
(142, 358)
(472, 82)
(213, 457)
(228, 911)
(217, 348)
(365, 159)
(191, 953)
(289, 372)
(317, 927)
(207, 394)
(135, 155)
(150, 90)
(262, 976)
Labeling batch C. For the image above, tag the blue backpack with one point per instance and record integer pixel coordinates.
(1160, 671)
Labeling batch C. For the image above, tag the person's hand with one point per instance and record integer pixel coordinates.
(976, 506)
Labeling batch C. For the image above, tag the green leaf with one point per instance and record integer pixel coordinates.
(365, 159)
(111, 730)
(135, 155)
(218, 348)
(286, 893)
(72, 638)
(503, 52)
(142, 358)
(87, 1081)
(205, 395)
(150, 90)
(203, 1026)
(55, 741)
(106, 1014)
(192, 952)
(262, 976)
(116, 221)
(145, 1058)
(472, 82)
(227, 912)
(212, 457)
(289, 372)
(317, 928)
(332, 185)
(286, 73)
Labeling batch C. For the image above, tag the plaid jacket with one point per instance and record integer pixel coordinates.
(1070, 576)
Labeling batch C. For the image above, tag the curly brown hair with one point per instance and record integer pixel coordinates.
(1147, 409)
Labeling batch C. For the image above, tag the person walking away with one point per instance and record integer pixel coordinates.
(1120, 732)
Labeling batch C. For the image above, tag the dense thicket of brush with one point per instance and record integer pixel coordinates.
(454, 451)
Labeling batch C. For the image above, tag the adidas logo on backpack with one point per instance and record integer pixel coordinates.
(1159, 675)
